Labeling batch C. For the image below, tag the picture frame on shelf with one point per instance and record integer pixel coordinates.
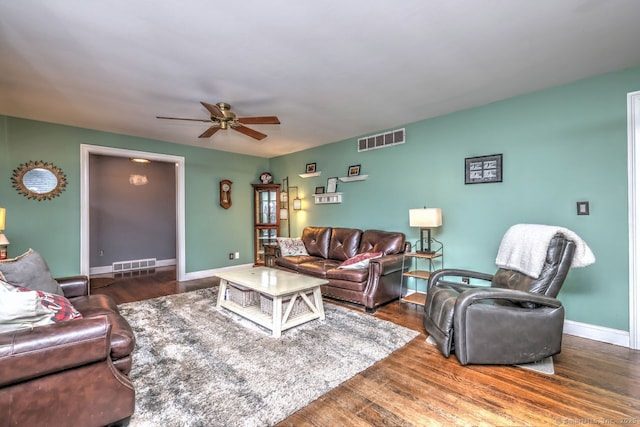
(319, 190)
(310, 168)
(483, 169)
(332, 185)
(354, 170)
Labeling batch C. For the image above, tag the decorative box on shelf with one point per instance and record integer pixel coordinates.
(326, 198)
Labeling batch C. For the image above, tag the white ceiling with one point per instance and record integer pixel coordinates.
(330, 69)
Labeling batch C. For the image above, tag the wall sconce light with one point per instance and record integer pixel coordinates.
(426, 219)
(4, 242)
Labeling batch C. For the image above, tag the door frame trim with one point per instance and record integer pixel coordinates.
(85, 151)
(633, 159)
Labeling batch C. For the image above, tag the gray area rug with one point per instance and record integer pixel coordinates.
(196, 366)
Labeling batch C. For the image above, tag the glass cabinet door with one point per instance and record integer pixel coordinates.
(264, 236)
(266, 221)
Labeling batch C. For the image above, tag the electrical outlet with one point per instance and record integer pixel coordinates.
(237, 255)
(465, 280)
(231, 255)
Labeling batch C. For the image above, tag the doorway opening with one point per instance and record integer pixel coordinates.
(85, 152)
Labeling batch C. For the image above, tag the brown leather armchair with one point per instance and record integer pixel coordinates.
(515, 320)
(72, 373)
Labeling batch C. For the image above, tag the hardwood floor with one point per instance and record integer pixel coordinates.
(594, 383)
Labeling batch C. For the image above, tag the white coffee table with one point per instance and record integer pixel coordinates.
(285, 290)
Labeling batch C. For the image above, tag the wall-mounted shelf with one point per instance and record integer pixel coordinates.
(353, 178)
(309, 175)
(326, 198)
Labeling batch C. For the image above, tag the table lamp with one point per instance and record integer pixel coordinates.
(3, 239)
(426, 219)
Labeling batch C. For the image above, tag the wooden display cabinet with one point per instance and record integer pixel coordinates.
(266, 219)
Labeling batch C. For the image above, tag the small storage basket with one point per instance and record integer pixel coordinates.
(242, 296)
(299, 306)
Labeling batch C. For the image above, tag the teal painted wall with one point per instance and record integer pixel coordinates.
(560, 146)
(52, 227)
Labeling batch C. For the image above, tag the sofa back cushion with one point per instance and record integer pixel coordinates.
(387, 242)
(316, 240)
(344, 243)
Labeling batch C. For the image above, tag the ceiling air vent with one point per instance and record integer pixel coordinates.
(380, 140)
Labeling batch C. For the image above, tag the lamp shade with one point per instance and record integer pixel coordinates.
(3, 240)
(425, 217)
(3, 216)
(284, 213)
(297, 204)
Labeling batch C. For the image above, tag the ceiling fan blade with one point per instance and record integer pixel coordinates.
(250, 132)
(213, 109)
(209, 132)
(264, 120)
(178, 118)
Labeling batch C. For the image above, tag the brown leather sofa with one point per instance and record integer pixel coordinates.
(72, 373)
(328, 247)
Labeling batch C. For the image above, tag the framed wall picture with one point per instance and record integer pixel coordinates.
(311, 168)
(319, 190)
(483, 169)
(332, 185)
(354, 170)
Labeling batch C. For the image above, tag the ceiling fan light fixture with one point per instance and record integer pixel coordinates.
(223, 124)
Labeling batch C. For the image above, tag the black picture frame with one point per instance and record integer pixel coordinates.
(353, 170)
(582, 208)
(310, 168)
(483, 169)
(319, 190)
(332, 184)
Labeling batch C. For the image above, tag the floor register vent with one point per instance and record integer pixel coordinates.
(381, 140)
(137, 264)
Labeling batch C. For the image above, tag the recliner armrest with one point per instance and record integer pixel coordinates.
(31, 353)
(74, 286)
(470, 296)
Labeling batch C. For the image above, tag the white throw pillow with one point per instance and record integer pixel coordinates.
(19, 310)
(291, 246)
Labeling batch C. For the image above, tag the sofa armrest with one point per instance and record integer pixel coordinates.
(386, 264)
(31, 353)
(74, 286)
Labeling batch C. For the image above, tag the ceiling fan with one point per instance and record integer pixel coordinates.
(222, 118)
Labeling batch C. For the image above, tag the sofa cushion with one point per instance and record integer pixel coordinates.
(351, 275)
(344, 243)
(360, 261)
(317, 268)
(316, 240)
(293, 262)
(291, 246)
(386, 242)
(29, 270)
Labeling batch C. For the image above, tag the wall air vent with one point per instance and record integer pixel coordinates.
(134, 265)
(381, 140)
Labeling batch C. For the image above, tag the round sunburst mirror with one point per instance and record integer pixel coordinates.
(39, 180)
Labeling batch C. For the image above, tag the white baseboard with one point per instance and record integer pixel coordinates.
(106, 269)
(597, 333)
(203, 274)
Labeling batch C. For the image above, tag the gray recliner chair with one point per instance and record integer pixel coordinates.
(515, 320)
